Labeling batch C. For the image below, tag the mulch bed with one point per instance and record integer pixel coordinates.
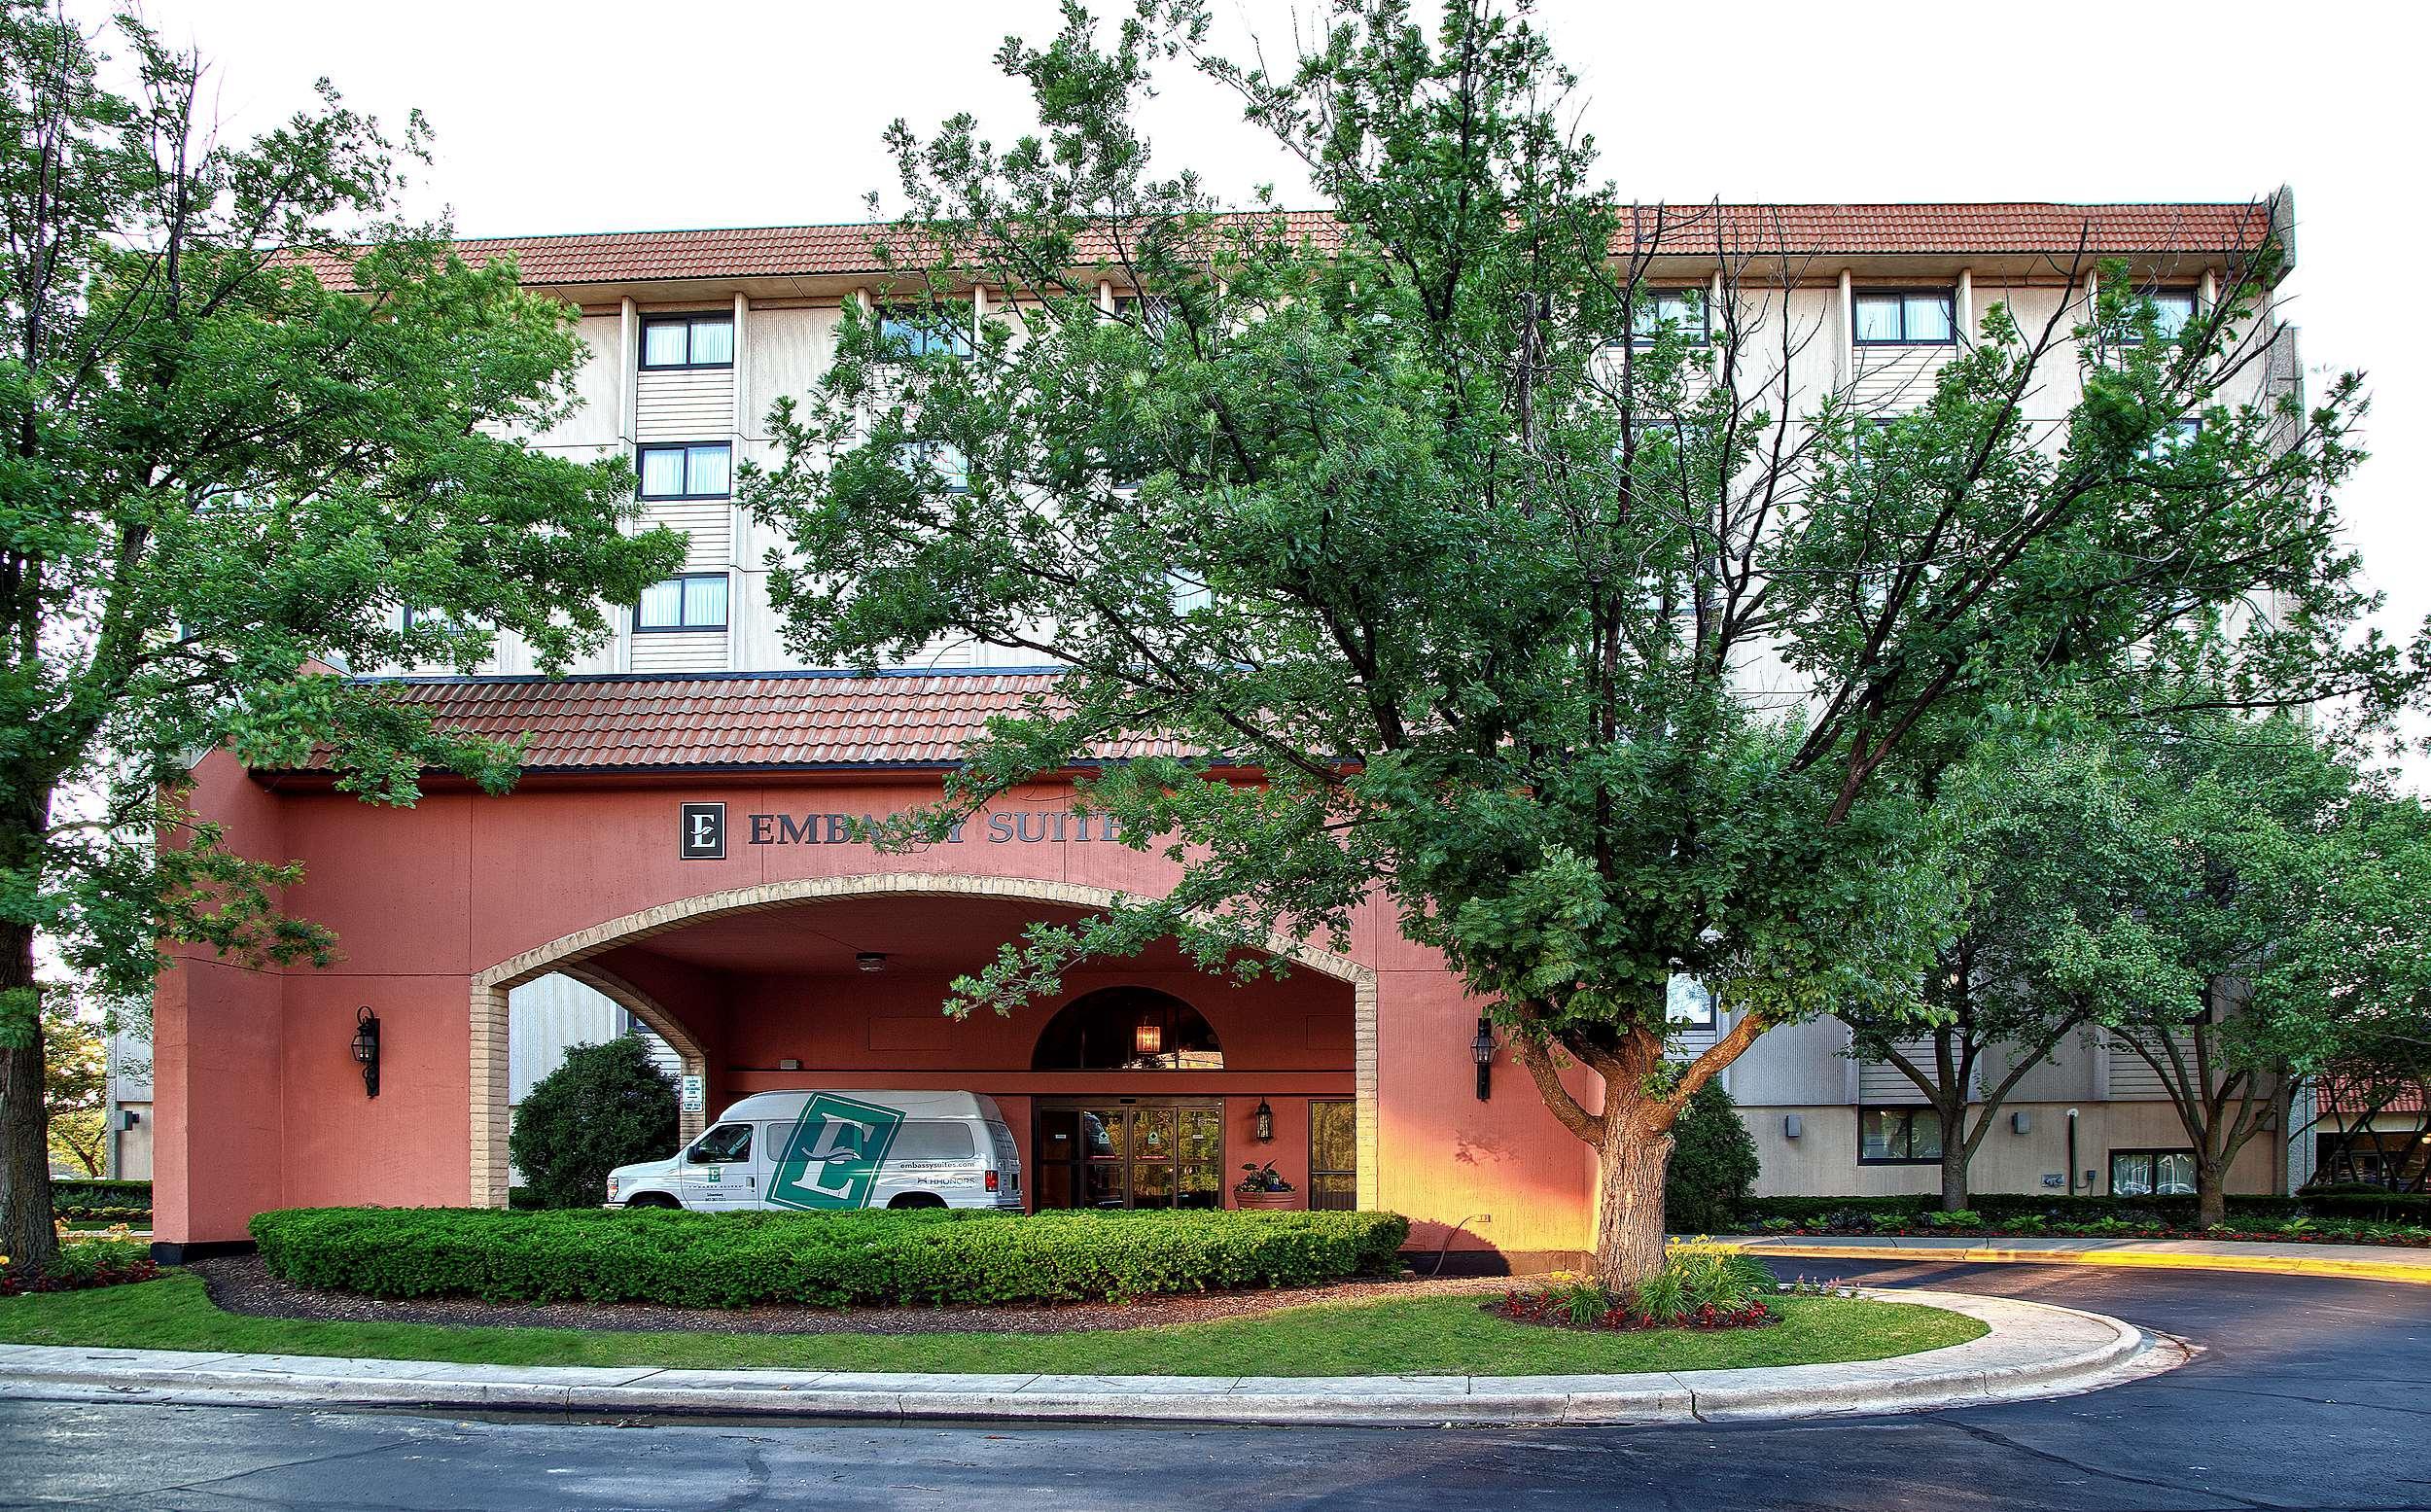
(244, 1283)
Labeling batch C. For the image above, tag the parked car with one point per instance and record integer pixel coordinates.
(826, 1150)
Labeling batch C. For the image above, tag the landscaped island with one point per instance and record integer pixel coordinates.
(1423, 1335)
(1123, 1293)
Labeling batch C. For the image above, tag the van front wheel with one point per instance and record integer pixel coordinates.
(917, 1199)
(653, 1200)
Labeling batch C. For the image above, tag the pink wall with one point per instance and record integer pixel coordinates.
(252, 1068)
(219, 1106)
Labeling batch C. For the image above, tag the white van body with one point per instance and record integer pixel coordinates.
(821, 1151)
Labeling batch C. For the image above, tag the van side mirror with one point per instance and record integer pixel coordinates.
(699, 1156)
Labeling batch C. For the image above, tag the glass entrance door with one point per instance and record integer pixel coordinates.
(1164, 1155)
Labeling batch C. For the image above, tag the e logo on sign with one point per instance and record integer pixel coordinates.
(830, 1157)
(704, 832)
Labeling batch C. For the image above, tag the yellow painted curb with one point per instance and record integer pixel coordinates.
(2155, 1259)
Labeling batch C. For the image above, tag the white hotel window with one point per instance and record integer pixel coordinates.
(696, 601)
(913, 330)
(1906, 318)
(936, 459)
(687, 471)
(689, 342)
(2152, 1172)
(1683, 311)
(2174, 310)
(1898, 1136)
(1687, 1002)
(2172, 439)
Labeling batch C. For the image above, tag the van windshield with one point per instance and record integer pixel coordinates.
(919, 1140)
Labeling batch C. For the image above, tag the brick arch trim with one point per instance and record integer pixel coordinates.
(571, 954)
(665, 1025)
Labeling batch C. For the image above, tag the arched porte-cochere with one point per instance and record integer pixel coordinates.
(1141, 1150)
(1146, 1083)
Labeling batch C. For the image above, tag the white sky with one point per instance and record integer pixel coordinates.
(618, 114)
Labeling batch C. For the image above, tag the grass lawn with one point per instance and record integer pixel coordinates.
(1423, 1335)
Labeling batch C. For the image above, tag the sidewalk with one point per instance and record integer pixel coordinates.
(2033, 1349)
(2366, 1262)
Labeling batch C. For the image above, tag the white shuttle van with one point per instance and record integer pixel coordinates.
(826, 1150)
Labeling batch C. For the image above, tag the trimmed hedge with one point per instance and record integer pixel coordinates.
(103, 1215)
(2367, 1201)
(2174, 1211)
(80, 1193)
(862, 1258)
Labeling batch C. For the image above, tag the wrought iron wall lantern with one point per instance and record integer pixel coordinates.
(367, 1047)
(1481, 1050)
(1262, 1123)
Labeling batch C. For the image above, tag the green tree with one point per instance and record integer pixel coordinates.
(1429, 517)
(1713, 1165)
(2278, 926)
(2042, 842)
(607, 1105)
(75, 1087)
(217, 474)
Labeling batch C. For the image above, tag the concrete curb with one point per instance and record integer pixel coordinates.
(2415, 1272)
(2035, 1350)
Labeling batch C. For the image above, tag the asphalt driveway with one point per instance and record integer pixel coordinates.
(2311, 1393)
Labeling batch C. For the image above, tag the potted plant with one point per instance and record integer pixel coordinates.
(1261, 1187)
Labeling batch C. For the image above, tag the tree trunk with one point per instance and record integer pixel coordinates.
(27, 1236)
(1953, 1166)
(1629, 1206)
(2211, 1196)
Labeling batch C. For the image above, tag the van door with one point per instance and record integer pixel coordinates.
(1008, 1164)
(933, 1157)
(719, 1169)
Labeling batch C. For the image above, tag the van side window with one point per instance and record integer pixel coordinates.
(933, 1141)
(727, 1143)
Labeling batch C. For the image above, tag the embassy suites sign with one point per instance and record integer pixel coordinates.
(704, 832)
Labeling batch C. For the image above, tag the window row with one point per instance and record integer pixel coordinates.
(705, 470)
(679, 342)
(1928, 317)
(1879, 317)
(1912, 1135)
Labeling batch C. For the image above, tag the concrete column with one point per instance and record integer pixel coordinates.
(1847, 329)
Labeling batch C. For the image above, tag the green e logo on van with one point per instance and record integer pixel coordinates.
(830, 1157)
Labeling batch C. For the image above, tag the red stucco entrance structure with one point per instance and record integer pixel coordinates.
(747, 954)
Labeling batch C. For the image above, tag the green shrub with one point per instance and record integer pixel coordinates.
(81, 1214)
(1917, 1210)
(84, 1260)
(101, 1196)
(607, 1105)
(2355, 1201)
(932, 1256)
(1713, 1163)
(1816, 1211)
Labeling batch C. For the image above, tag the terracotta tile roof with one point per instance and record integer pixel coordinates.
(750, 719)
(2017, 227)
(2341, 1097)
(2009, 228)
